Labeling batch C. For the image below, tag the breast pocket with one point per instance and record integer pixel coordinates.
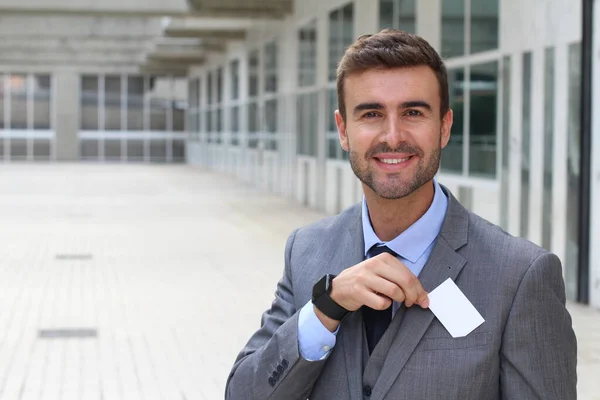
(472, 340)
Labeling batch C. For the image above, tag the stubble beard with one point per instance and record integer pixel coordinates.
(398, 185)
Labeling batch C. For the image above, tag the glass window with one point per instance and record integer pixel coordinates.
(220, 85)
(483, 116)
(484, 25)
(112, 103)
(235, 125)
(253, 71)
(271, 123)
(209, 88)
(572, 248)
(135, 103)
(89, 102)
(452, 155)
(158, 103)
(42, 89)
(253, 125)
(235, 79)
(307, 56)
(178, 108)
(398, 14)
(453, 28)
(271, 67)
(525, 144)
(548, 148)
(3, 79)
(18, 101)
(306, 130)
(341, 35)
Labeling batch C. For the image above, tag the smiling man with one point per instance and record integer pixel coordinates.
(350, 319)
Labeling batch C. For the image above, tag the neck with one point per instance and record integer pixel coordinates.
(390, 218)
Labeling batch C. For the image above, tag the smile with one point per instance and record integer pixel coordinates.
(394, 160)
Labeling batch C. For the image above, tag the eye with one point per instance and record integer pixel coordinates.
(414, 113)
(371, 115)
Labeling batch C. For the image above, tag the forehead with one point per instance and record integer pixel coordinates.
(392, 85)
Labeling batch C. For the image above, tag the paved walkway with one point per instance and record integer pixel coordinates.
(143, 282)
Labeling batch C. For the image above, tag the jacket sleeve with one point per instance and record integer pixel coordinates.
(270, 365)
(539, 348)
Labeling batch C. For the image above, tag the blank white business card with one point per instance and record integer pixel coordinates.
(449, 304)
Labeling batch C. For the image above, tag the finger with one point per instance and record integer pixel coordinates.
(393, 270)
(380, 285)
(376, 301)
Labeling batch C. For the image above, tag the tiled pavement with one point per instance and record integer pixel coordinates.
(143, 282)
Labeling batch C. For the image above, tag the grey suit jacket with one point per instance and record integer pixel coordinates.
(525, 349)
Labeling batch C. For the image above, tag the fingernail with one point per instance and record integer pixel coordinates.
(425, 304)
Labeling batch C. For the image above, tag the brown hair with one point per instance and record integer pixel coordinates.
(391, 48)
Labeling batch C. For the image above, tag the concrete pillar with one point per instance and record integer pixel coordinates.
(67, 111)
(595, 173)
(366, 17)
(429, 22)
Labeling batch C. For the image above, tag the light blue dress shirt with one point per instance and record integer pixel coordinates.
(413, 247)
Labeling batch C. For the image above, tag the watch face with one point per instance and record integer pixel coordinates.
(320, 287)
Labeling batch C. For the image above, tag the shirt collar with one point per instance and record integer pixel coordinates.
(412, 243)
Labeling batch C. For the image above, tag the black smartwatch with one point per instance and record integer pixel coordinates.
(325, 304)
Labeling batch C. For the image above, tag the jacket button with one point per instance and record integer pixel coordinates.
(275, 375)
(280, 368)
(284, 363)
(367, 390)
(271, 381)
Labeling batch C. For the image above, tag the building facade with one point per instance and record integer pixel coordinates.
(262, 110)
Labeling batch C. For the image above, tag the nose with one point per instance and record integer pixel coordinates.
(394, 131)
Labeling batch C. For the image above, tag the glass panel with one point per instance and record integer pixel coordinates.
(209, 88)
(89, 103)
(484, 25)
(220, 85)
(135, 150)
(178, 115)
(452, 155)
(271, 123)
(160, 88)
(178, 150)
(235, 125)
(90, 149)
(219, 125)
(386, 14)
(3, 79)
(506, 77)
(307, 57)
(483, 116)
(453, 28)
(193, 93)
(525, 145)
(158, 150)
(18, 101)
(112, 103)
(271, 67)
(341, 31)
(253, 66)
(252, 125)
(548, 149)
(407, 11)
(112, 150)
(18, 149)
(235, 79)
(41, 150)
(574, 135)
(135, 103)
(42, 89)
(307, 123)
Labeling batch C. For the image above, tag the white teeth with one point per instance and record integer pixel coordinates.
(393, 160)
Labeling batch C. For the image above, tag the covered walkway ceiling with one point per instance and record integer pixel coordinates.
(139, 35)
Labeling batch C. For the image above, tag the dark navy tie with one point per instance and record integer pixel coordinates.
(377, 321)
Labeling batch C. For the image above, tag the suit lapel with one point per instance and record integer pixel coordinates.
(444, 262)
(351, 336)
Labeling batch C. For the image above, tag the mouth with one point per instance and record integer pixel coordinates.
(390, 162)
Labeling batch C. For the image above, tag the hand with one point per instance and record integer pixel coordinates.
(377, 281)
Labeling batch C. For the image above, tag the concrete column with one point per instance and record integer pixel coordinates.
(366, 17)
(429, 22)
(66, 105)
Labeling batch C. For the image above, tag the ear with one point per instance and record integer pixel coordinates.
(341, 126)
(446, 127)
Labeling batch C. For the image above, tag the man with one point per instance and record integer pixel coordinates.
(350, 319)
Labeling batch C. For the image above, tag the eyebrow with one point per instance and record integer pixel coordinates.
(378, 106)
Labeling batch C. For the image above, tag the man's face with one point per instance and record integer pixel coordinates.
(393, 128)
